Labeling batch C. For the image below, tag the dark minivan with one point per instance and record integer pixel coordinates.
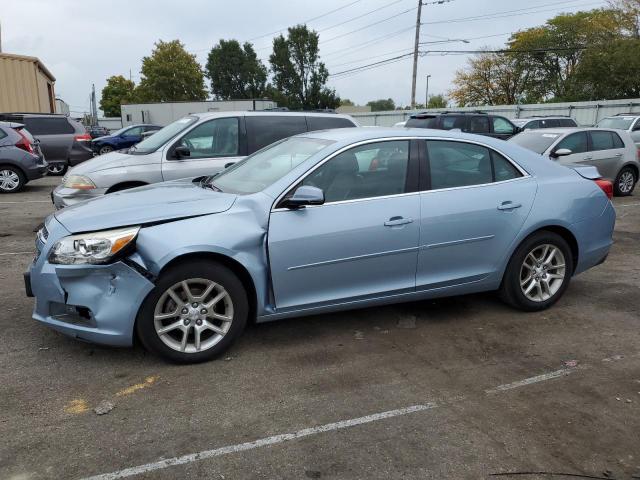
(479, 123)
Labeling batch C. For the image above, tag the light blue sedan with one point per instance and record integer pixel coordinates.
(320, 222)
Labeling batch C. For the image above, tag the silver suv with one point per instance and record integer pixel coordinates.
(544, 122)
(624, 121)
(612, 152)
(196, 145)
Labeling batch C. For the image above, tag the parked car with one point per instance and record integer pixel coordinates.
(544, 122)
(21, 159)
(624, 121)
(96, 131)
(471, 122)
(120, 139)
(63, 140)
(306, 226)
(612, 152)
(199, 144)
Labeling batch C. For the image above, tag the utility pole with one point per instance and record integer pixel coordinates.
(426, 96)
(415, 56)
(94, 108)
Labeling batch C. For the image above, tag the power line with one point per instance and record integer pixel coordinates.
(360, 16)
(509, 13)
(307, 21)
(368, 43)
(369, 25)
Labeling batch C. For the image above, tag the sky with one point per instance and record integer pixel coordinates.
(84, 42)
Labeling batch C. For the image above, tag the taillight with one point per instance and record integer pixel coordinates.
(24, 143)
(607, 187)
(85, 137)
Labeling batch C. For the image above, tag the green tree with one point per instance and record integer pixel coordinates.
(117, 91)
(170, 74)
(628, 12)
(299, 77)
(609, 71)
(382, 104)
(559, 44)
(437, 101)
(235, 71)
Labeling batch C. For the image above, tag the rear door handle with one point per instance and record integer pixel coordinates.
(396, 221)
(509, 205)
(588, 158)
(618, 154)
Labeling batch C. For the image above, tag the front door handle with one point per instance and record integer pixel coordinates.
(509, 205)
(618, 154)
(396, 221)
(588, 158)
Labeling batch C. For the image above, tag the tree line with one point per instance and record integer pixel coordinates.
(296, 78)
(590, 55)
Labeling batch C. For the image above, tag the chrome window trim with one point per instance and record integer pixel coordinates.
(522, 171)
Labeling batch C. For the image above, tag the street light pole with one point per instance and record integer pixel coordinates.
(426, 97)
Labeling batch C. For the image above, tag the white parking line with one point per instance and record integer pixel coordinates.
(16, 253)
(285, 437)
(628, 205)
(530, 380)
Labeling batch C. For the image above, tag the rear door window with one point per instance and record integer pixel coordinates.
(48, 125)
(576, 142)
(458, 164)
(422, 122)
(479, 125)
(449, 122)
(617, 141)
(265, 130)
(566, 122)
(601, 140)
(324, 123)
(533, 124)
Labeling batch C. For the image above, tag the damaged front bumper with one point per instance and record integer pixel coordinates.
(95, 303)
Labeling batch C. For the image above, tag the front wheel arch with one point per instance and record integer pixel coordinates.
(118, 187)
(233, 265)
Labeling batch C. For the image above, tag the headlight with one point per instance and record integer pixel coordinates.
(92, 248)
(79, 182)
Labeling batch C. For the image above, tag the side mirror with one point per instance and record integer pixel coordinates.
(303, 196)
(181, 151)
(561, 152)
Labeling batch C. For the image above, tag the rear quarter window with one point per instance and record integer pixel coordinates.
(325, 123)
(2, 133)
(48, 125)
(426, 122)
(265, 130)
(617, 141)
(601, 140)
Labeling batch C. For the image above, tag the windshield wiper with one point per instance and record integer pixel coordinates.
(207, 182)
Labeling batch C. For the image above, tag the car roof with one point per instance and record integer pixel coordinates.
(258, 113)
(563, 130)
(552, 117)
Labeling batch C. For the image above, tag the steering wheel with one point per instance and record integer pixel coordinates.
(187, 143)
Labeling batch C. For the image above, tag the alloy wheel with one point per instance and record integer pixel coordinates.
(56, 168)
(105, 150)
(9, 180)
(625, 182)
(193, 315)
(542, 273)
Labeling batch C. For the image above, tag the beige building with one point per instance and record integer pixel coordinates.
(25, 85)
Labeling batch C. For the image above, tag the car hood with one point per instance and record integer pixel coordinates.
(112, 160)
(143, 205)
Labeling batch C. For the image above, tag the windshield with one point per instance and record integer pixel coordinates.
(620, 123)
(117, 132)
(258, 171)
(162, 136)
(535, 141)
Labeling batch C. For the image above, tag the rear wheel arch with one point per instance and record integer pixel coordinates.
(14, 166)
(634, 168)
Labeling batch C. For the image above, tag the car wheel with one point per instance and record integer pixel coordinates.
(12, 180)
(625, 182)
(194, 313)
(57, 169)
(538, 273)
(105, 149)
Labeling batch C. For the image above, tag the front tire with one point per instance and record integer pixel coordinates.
(194, 313)
(12, 180)
(538, 273)
(625, 182)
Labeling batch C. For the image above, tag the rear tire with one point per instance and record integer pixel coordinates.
(197, 323)
(57, 169)
(12, 180)
(105, 149)
(538, 273)
(625, 182)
